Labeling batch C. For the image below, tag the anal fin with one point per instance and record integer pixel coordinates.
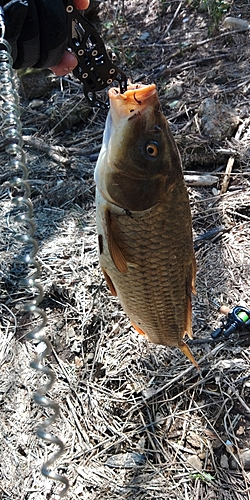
(193, 276)
(139, 330)
(188, 325)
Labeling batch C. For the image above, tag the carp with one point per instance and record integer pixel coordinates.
(144, 220)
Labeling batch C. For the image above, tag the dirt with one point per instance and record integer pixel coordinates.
(138, 421)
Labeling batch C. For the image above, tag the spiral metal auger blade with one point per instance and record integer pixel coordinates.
(25, 235)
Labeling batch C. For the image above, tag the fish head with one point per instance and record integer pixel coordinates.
(139, 160)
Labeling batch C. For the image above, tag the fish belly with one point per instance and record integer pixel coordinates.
(155, 291)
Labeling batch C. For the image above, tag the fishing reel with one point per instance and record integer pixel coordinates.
(237, 320)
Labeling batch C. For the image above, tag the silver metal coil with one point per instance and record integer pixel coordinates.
(12, 131)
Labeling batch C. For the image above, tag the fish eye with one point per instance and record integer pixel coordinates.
(152, 148)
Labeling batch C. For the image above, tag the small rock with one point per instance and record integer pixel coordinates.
(65, 114)
(75, 347)
(78, 362)
(216, 443)
(211, 495)
(174, 92)
(218, 121)
(93, 157)
(116, 328)
(148, 392)
(220, 80)
(126, 460)
(229, 446)
(174, 104)
(90, 356)
(195, 462)
(241, 430)
(244, 458)
(71, 332)
(236, 24)
(40, 347)
(194, 439)
(35, 83)
(145, 35)
(224, 462)
(36, 103)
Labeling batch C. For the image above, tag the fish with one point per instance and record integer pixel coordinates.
(143, 218)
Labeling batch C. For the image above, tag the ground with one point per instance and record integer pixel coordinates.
(138, 420)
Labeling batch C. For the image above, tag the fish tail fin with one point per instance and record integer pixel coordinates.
(185, 349)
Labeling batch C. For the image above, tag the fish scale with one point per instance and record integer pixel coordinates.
(146, 254)
(142, 283)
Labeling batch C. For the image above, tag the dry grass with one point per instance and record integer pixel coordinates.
(138, 421)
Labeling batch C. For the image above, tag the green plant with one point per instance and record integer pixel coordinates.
(215, 8)
(203, 476)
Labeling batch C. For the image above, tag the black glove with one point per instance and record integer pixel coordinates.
(36, 31)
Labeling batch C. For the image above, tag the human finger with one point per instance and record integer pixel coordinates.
(81, 4)
(69, 61)
(66, 65)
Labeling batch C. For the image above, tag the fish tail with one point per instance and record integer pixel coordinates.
(185, 349)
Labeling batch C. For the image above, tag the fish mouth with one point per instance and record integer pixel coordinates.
(132, 101)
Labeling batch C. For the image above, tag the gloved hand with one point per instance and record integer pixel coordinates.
(37, 32)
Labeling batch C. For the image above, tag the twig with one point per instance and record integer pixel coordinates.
(171, 22)
(79, 426)
(217, 433)
(187, 65)
(228, 171)
(183, 373)
(230, 162)
(200, 180)
(151, 441)
(52, 151)
(192, 47)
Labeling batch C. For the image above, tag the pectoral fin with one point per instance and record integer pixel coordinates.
(114, 250)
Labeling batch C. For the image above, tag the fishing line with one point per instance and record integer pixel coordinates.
(13, 143)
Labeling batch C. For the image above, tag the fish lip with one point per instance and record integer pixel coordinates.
(134, 99)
